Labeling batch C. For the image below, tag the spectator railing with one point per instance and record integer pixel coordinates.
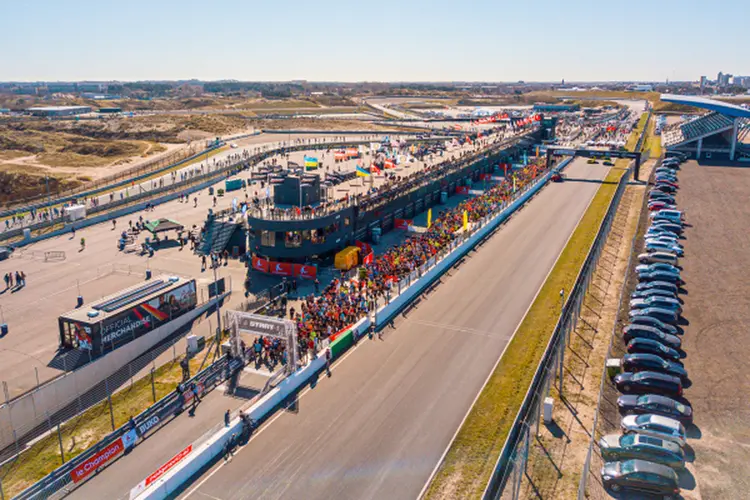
(59, 483)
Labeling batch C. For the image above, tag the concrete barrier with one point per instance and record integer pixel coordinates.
(32, 409)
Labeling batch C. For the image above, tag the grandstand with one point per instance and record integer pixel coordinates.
(717, 134)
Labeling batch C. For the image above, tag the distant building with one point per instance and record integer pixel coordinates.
(59, 110)
(704, 81)
(642, 87)
(555, 107)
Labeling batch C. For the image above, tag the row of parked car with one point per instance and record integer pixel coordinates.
(651, 378)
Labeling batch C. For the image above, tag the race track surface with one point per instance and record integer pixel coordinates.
(378, 427)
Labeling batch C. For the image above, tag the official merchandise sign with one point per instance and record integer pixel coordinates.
(93, 463)
(166, 467)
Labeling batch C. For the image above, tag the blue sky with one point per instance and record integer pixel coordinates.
(388, 40)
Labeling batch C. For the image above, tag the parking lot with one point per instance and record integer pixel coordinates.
(716, 261)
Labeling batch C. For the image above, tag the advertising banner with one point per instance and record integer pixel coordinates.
(306, 272)
(166, 467)
(462, 189)
(281, 269)
(485, 177)
(402, 223)
(260, 264)
(90, 465)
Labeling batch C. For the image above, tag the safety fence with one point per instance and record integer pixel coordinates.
(92, 188)
(67, 477)
(24, 429)
(623, 297)
(156, 195)
(513, 458)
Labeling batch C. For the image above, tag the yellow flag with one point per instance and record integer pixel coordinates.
(466, 220)
(429, 218)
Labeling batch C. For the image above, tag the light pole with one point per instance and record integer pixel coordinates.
(218, 313)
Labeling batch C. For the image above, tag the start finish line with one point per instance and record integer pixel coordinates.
(240, 322)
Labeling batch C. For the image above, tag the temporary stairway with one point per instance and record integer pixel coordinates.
(217, 236)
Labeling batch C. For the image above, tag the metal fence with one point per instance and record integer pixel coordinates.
(60, 482)
(623, 297)
(59, 196)
(26, 432)
(511, 464)
(186, 186)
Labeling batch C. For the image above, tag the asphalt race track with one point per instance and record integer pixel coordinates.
(378, 427)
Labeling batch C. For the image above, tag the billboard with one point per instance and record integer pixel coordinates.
(146, 316)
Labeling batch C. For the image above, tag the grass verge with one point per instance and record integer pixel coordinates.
(88, 428)
(469, 463)
(471, 458)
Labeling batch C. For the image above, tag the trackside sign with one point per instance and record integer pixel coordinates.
(90, 466)
(160, 472)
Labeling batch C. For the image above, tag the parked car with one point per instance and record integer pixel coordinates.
(663, 315)
(651, 346)
(658, 405)
(676, 216)
(666, 179)
(660, 195)
(608, 163)
(642, 294)
(641, 475)
(591, 161)
(665, 238)
(658, 246)
(656, 266)
(654, 285)
(659, 205)
(661, 276)
(654, 323)
(658, 426)
(666, 226)
(659, 233)
(636, 331)
(629, 446)
(665, 188)
(643, 362)
(658, 301)
(648, 383)
(666, 257)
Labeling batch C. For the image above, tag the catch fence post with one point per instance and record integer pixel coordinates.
(59, 440)
(109, 400)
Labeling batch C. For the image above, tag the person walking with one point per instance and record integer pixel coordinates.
(328, 361)
(227, 416)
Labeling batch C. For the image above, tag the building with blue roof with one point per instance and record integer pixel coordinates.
(718, 134)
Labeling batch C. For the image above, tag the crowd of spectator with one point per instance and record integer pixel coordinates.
(343, 302)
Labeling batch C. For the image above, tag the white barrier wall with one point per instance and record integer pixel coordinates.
(32, 409)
